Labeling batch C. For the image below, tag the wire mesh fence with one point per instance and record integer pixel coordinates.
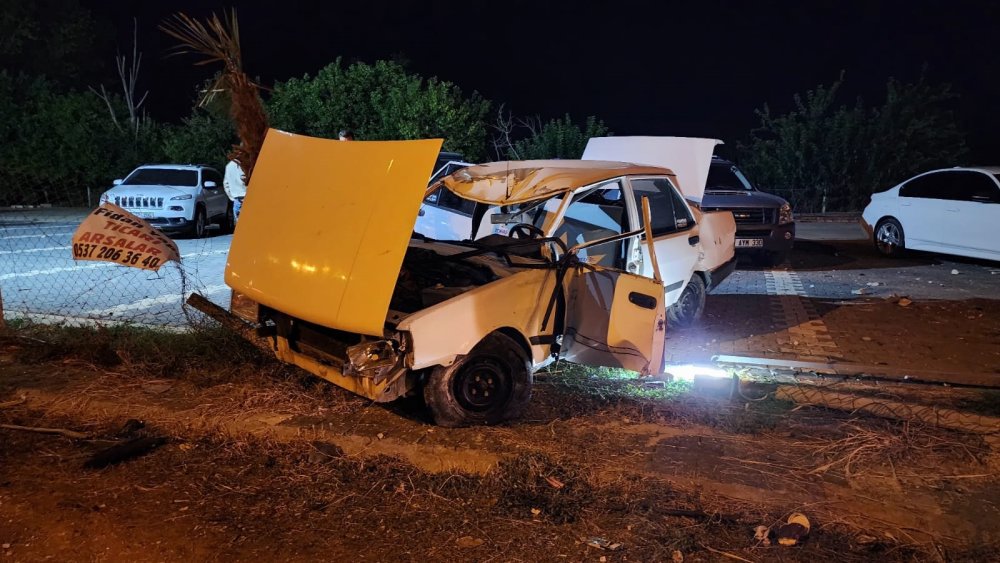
(40, 281)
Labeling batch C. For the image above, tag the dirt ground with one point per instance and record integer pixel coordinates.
(255, 461)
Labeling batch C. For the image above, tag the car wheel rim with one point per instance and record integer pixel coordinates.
(687, 304)
(199, 225)
(481, 386)
(888, 236)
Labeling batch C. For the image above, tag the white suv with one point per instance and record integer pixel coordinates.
(175, 198)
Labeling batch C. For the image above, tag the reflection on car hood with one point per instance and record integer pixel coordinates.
(741, 199)
(325, 225)
(688, 157)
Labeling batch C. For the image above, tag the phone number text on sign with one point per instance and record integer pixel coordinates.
(125, 257)
(114, 235)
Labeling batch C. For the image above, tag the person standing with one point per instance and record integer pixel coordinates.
(235, 186)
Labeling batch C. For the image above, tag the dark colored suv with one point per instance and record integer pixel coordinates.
(765, 228)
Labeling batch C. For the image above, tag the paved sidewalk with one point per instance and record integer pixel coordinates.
(843, 303)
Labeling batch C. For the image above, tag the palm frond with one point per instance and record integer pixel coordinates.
(218, 41)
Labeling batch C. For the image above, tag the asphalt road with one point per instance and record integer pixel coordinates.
(39, 278)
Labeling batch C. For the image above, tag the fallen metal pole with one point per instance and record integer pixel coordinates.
(230, 321)
(869, 372)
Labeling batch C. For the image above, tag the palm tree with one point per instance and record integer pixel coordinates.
(218, 41)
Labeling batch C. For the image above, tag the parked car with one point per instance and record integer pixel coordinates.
(175, 198)
(694, 248)
(346, 290)
(765, 226)
(950, 211)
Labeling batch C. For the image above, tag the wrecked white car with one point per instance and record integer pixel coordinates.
(696, 250)
(344, 289)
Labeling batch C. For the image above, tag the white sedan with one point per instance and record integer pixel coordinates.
(951, 211)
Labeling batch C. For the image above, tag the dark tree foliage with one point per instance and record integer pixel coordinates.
(57, 39)
(827, 156)
(558, 138)
(381, 101)
(54, 144)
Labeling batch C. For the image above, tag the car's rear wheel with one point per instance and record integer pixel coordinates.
(691, 305)
(199, 225)
(229, 220)
(888, 238)
(490, 384)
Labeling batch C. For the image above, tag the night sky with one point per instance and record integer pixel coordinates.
(659, 68)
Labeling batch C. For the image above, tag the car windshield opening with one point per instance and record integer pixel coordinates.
(727, 178)
(162, 177)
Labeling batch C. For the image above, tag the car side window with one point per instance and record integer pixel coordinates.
(668, 212)
(930, 186)
(974, 186)
(210, 175)
(445, 199)
(592, 215)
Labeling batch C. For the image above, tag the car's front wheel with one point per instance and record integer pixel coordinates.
(888, 238)
(691, 305)
(199, 225)
(490, 384)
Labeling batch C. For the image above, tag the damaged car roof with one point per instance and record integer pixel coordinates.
(505, 183)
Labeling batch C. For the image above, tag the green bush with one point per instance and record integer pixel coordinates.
(381, 101)
(826, 156)
(559, 138)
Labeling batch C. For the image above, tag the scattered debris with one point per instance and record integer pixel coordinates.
(954, 272)
(602, 543)
(860, 291)
(556, 483)
(156, 387)
(677, 556)
(904, 302)
(762, 534)
(795, 530)
(380, 435)
(874, 284)
(469, 542)
(536, 511)
(866, 338)
(60, 431)
(124, 452)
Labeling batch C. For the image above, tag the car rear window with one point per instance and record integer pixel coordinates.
(162, 177)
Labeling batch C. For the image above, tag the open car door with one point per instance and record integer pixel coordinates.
(614, 319)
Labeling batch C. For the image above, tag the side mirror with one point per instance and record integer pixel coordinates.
(117, 182)
(210, 184)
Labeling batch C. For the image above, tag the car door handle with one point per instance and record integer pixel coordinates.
(952, 210)
(905, 204)
(694, 240)
(421, 213)
(642, 300)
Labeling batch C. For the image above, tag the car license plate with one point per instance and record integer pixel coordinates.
(749, 243)
(143, 214)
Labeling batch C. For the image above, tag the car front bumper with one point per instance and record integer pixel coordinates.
(719, 275)
(765, 238)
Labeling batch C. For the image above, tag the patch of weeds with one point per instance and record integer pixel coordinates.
(533, 482)
(149, 351)
(612, 385)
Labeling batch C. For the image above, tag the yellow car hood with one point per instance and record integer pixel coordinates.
(325, 225)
